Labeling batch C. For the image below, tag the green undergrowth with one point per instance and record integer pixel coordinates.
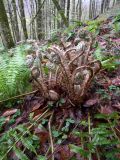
(97, 137)
(116, 24)
(14, 74)
(99, 140)
(108, 62)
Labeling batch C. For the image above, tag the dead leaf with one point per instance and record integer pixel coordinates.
(7, 119)
(117, 106)
(90, 102)
(65, 153)
(42, 134)
(9, 112)
(116, 81)
(37, 114)
(35, 107)
(106, 110)
(116, 40)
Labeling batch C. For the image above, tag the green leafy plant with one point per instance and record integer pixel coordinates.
(116, 23)
(19, 141)
(107, 94)
(69, 121)
(94, 26)
(104, 94)
(114, 89)
(116, 27)
(100, 140)
(108, 62)
(2, 122)
(14, 74)
(61, 135)
(10, 139)
(2, 48)
(13, 118)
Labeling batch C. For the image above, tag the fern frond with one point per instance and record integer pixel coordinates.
(14, 74)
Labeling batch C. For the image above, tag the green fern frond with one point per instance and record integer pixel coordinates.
(108, 62)
(14, 74)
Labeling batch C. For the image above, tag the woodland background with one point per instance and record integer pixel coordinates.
(40, 19)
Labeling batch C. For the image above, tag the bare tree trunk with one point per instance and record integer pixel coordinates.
(15, 21)
(68, 8)
(4, 27)
(114, 2)
(107, 4)
(22, 17)
(102, 6)
(80, 9)
(39, 21)
(65, 21)
(93, 9)
(90, 9)
(32, 15)
(62, 5)
(11, 20)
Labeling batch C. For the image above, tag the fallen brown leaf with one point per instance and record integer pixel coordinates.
(117, 106)
(116, 81)
(91, 102)
(65, 153)
(7, 119)
(9, 112)
(106, 110)
(35, 107)
(42, 134)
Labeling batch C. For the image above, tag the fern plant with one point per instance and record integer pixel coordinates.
(94, 26)
(18, 142)
(108, 62)
(116, 24)
(101, 140)
(10, 139)
(14, 74)
(70, 69)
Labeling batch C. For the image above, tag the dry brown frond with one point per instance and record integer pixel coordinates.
(72, 71)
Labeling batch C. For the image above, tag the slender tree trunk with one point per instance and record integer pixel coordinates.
(32, 15)
(39, 21)
(62, 5)
(11, 20)
(68, 8)
(4, 27)
(15, 21)
(102, 6)
(65, 21)
(22, 17)
(90, 9)
(80, 9)
(114, 2)
(107, 4)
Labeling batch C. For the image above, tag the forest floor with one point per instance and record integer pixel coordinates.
(61, 130)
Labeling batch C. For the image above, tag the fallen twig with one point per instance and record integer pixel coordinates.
(50, 133)
(19, 96)
(57, 148)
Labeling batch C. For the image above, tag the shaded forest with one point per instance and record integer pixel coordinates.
(41, 19)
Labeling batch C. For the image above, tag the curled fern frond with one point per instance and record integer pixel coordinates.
(69, 69)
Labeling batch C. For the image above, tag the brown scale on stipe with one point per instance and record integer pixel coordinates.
(71, 69)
